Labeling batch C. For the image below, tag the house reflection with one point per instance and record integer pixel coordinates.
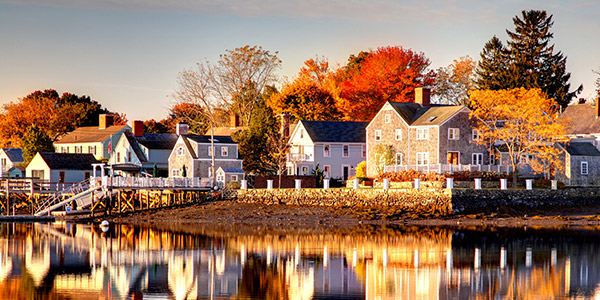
(61, 261)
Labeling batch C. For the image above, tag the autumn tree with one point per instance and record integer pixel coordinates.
(53, 114)
(454, 82)
(386, 74)
(528, 60)
(35, 140)
(597, 72)
(307, 96)
(524, 122)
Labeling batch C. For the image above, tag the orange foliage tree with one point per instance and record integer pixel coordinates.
(524, 121)
(307, 97)
(385, 74)
(53, 114)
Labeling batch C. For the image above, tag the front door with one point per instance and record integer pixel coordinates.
(453, 158)
(345, 172)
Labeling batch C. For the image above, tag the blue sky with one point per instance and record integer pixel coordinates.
(127, 54)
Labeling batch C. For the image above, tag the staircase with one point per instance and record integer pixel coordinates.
(82, 196)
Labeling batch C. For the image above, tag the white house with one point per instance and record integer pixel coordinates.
(192, 154)
(337, 147)
(97, 140)
(138, 151)
(9, 158)
(61, 167)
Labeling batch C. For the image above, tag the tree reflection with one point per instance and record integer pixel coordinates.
(262, 281)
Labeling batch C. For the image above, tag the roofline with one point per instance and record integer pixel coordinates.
(457, 112)
(381, 109)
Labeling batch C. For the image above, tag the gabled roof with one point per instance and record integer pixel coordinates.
(158, 141)
(415, 115)
(582, 119)
(581, 149)
(14, 154)
(135, 146)
(232, 170)
(335, 132)
(90, 134)
(225, 130)
(205, 139)
(68, 161)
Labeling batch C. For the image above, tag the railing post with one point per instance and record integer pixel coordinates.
(503, 184)
(326, 183)
(386, 183)
(477, 183)
(417, 183)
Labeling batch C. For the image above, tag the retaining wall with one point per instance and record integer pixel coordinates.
(441, 201)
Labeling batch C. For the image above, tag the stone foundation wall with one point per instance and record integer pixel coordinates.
(440, 201)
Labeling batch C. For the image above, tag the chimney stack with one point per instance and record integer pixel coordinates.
(106, 120)
(138, 128)
(182, 129)
(597, 109)
(422, 96)
(235, 121)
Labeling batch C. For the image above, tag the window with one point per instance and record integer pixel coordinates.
(175, 173)
(326, 169)
(476, 134)
(388, 118)
(399, 157)
(477, 159)
(345, 151)
(92, 149)
(492, 159)
(180, 151)
(422, 133)
(453, 133)
(453, 157)
(304, 170)
(364, 151)
(78, 149)
(234, 178)
(584, 168)
(3, 162)
(422, 158)
(301, 133)
(377, 135)
(65, 149)
(326, 151)
(39, 174)
(118, 157)
(61, 177)
(224, 151)
(128, 156)
(210, 150)
(398, 134)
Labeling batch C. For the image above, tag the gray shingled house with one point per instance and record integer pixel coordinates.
(337, 147)
(582, 164)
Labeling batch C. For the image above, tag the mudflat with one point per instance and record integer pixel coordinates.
(323, 218)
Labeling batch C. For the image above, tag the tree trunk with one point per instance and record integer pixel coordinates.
(514, 181)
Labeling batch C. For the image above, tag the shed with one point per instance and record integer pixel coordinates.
(225, 175)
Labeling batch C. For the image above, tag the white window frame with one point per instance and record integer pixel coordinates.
(175, 173)
(224, 151)
(234, 178)
(388, 118)
(422, 133)
(378, 135)
(346, 151)
(304, 170)
(477, 159)
(422, 158)
(399, 158)
(492, 159)
(326, 150)
(364, 151)
(475, 135)
(327, 171)
(398, 134)
(584, 168)
(180, 151)
(453, 134)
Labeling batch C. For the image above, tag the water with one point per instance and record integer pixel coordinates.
(67, 261)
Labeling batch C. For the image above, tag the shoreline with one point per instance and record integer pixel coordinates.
(230, 213)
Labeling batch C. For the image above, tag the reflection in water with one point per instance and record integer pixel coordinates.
(66, 261)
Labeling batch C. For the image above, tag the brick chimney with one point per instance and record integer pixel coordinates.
(597, 109)
(235, 121)
(182, 129)
(285, 124)
(138, 127)
(106, 120)
(422, 96)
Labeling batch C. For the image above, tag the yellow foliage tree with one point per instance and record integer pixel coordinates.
(524, 122)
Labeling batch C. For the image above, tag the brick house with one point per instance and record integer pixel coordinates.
(423, 136)
(337, 147)
(193, 154)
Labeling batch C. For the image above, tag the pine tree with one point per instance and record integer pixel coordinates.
(528, 61)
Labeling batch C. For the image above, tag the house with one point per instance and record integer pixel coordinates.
(234, 126)
(336, 147)
(137, 151)
(192, 154)
(61, 167)
(422, 136)
(582, 164)
(583, 123)
(226, 175)
(9, 158)
(97, 140)
(16, 172)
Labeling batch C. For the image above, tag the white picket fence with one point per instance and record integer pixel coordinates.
(148, 182)
(448, 168)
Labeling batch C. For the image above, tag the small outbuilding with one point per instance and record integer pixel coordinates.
(226, 175)
(16, 172)
(581, 161)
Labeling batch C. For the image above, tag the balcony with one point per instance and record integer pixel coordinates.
(298, 157)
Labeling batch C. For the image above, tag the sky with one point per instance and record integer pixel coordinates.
(127, 54)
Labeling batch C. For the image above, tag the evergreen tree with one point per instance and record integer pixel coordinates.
(528, 61)
(36, 140)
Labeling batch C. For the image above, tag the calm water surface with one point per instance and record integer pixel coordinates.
(67, 261)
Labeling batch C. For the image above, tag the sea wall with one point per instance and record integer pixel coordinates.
(438, 201)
